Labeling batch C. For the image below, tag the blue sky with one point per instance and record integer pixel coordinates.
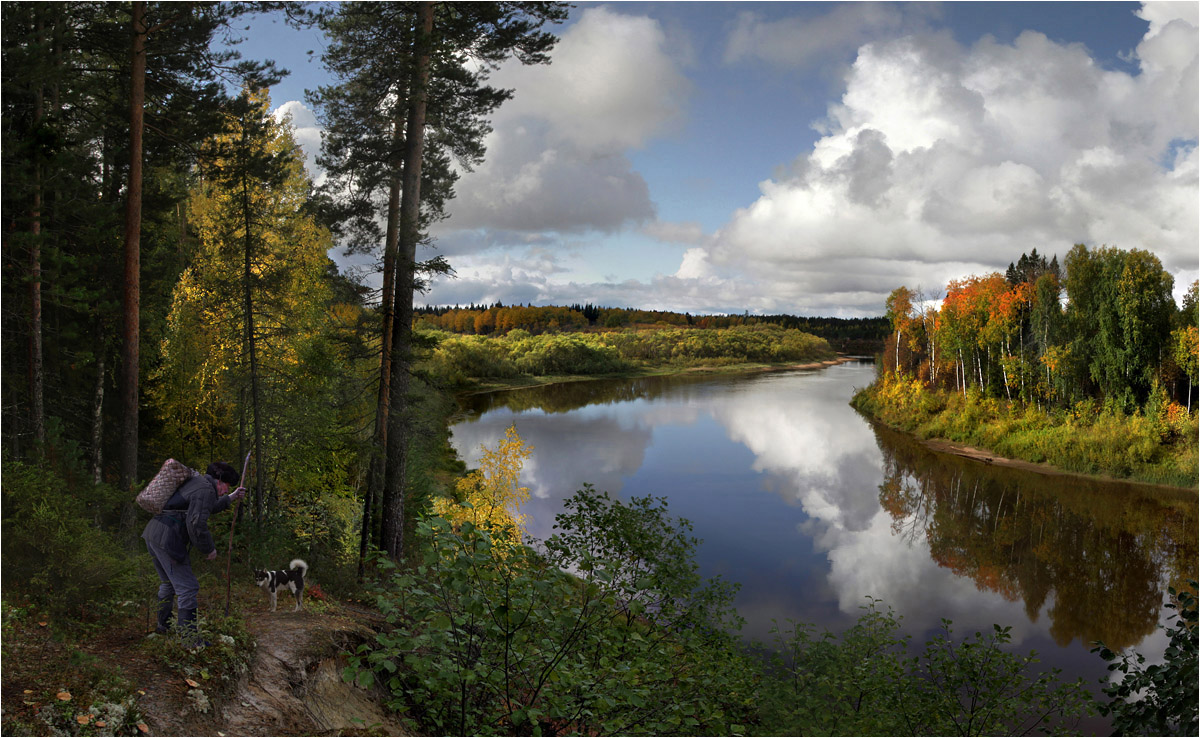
(808, 158)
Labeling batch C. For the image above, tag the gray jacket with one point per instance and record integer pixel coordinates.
(184, 521)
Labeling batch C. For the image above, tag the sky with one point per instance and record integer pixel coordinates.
(808, 158)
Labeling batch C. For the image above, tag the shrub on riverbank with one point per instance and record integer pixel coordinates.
(864, 683)
(509, 643)
(1157, 445)
(503, 640)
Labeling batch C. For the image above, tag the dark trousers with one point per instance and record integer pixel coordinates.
(175, 577)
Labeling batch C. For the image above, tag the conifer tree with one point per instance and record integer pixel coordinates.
(175, 78)
(70, 179)
(402, 68)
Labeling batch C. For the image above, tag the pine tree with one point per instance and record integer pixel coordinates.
(174, 79)
(402, 69)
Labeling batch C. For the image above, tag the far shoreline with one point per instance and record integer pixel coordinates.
(939, 445)
(663, 370)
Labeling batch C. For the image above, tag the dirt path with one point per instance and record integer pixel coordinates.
(292, 685)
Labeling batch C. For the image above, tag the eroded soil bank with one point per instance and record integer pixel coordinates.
(291, 683)
(294, 685)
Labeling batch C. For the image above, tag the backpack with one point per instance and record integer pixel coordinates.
(165, 483)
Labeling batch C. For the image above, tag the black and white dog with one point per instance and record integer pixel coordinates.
(272, 581)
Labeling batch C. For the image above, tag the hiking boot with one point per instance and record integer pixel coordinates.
(165, 607)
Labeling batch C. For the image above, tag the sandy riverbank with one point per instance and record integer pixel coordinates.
(988, 457)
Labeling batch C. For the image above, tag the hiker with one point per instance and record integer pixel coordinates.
(183, 523)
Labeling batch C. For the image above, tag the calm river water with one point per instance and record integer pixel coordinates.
(812, 509)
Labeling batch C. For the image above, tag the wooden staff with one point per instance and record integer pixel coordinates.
(229, 553)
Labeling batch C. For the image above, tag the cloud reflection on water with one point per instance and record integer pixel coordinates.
(807, 447)
(600, 447)
(727, 451)
(804, 434)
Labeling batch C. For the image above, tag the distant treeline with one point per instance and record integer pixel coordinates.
(844, 334)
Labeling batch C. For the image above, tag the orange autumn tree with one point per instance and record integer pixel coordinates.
(957, 326)
(1006, 311)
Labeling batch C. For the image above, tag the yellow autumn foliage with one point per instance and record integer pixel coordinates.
(492, 494)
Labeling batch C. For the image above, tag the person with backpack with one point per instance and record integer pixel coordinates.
(183, 523)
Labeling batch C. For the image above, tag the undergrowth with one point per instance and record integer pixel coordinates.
(212, 670)
(1157, 445)
(73, 692)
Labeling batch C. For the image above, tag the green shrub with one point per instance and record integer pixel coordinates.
(565, 354)
(458, 359)
(507, 644)
(863, 683)
(821, 684)
(1158, 699)
(58, 548)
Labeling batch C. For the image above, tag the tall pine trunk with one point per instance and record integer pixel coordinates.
(98, 414)
(130, 355)
(399, 420)
(375, 481)
(251, 344)
(36, 364)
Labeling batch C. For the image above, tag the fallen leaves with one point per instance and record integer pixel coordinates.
(192, 682)
(143, 727)
(83, 719)
(64, 695)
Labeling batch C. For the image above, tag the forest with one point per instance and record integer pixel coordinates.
(168, 293)
(1089, 366)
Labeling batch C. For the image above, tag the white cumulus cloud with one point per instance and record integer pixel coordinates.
(940, 160)
(557, 158)
(307, 132)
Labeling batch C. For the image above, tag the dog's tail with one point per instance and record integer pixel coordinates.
(299, 564)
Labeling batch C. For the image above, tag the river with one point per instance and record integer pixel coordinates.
(812, 509)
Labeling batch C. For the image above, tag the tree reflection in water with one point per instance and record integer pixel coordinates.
(1101, 553)
(563, 397)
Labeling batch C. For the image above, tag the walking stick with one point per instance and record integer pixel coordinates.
(229, 553)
